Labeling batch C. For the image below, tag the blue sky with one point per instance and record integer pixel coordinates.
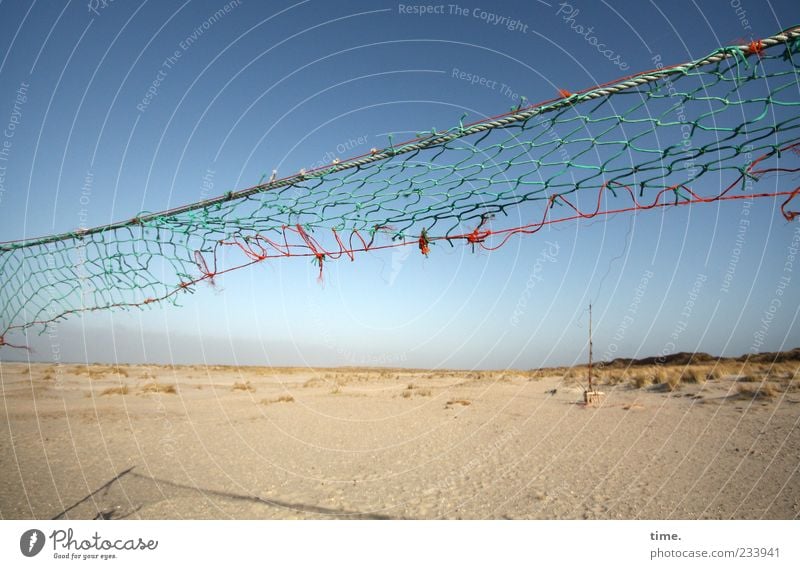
(285, 85)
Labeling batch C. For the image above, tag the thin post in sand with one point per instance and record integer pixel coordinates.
(591, 396)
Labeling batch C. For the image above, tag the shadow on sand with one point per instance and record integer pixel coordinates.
(164, 486)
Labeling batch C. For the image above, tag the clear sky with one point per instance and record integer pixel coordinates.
(286, 85)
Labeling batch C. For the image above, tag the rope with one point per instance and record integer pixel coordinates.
(754, 48)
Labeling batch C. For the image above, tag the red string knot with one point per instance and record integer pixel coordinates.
(478, 236)
(320, 258)
(424, 243)
(756, 47)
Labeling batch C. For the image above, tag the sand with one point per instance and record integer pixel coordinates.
(150, 442)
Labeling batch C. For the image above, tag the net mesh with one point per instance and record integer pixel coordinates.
(704, 131)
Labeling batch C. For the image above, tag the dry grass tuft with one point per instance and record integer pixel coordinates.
(315, 382)
(650, 376)
(693, 375)
(412, 390)
(95, 371)
(761, 391)
(119, 390)
(486, 377)
(786, 370)
(281, 399)
(673, 381)
(246, 386)
(791, 384)
(158, 388)
(462, 402)
(720, 369)
(612, 377)
(748, 378)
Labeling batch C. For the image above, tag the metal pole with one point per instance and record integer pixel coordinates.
(590, 348)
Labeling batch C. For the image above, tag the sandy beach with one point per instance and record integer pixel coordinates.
(196, 442)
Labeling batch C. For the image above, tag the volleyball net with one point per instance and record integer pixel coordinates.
(723, 127)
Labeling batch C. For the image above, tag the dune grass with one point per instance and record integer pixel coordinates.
(158, 388)
(760, 391)
(281, 399)
(119, 390)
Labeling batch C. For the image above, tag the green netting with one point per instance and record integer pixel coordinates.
(699, 132)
